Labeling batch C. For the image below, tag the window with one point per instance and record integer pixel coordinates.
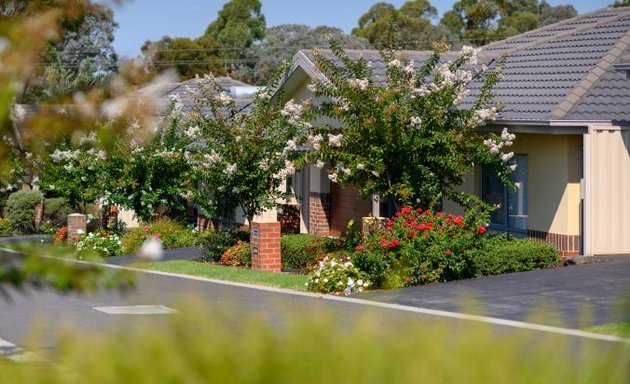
(512, 204)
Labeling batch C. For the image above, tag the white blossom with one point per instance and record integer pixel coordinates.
(333, 177)
(409, 68)
(293, 112)
(319, 164)
(361, 84)
(416, 121)
(469, 54)
(223, 98)
(230, 169)
(394, 63)
(335, 140)
(315, 141)
(360, 166)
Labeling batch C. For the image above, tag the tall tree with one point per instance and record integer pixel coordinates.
(283, 41)
(86, 43)
(239, 25)
(189, 57)
(415, 30)
(481, 22)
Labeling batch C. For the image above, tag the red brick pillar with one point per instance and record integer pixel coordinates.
(77, 224)
(265, 242)
(319, 214)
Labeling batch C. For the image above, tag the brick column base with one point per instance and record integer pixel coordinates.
(77, 224)
(265, 242)
(567, 245)
(319, 214)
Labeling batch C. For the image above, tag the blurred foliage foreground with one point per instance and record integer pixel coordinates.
(196, 346)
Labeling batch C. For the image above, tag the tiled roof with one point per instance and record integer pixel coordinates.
(563, 71)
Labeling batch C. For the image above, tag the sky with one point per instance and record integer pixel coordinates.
(141, 20)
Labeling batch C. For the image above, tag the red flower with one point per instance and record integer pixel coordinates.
(406, 210)
(423, 277)
(384, 243)
(390, 223)
(481, 229)
(407, 279)
(395, 243)
(360, 248)
(448, 251)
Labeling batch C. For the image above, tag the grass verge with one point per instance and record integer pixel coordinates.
(220, 272)
(614, 329)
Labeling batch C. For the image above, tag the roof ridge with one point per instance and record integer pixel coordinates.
(563, 109)
(618, 15)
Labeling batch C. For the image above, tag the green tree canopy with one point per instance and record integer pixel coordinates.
(283, 41)
(189, 57)
(83, 55)
(239, 25)
(481, 22)
(415, 30)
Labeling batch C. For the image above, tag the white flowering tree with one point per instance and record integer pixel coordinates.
(151, 172)
(241, 158)
(409, 139)
(75, 170)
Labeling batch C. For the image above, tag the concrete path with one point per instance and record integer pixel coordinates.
(570, 297)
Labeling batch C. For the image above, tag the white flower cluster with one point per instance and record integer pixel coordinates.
(88, 139)
(290, 146)
(469, 54)
(315, 141)
(394, 63)
(177, 104)
(334, 275)
(293, 112)
(496, 146)
(192, 132)
(18, 113)
(99, 155)
(264, 95)
(58, 156)
(482, 115)
(230, 169)
(409, 68)
(361, 84)
(416, 121)
(212, 158)
(335, 140)
(223, 98)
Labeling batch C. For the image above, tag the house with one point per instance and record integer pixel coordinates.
(566, 95)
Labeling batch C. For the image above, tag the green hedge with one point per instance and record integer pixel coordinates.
(302, 251)
(503, 254)
(21, 210)
(172, 233)
(56, 211)
(215, 243)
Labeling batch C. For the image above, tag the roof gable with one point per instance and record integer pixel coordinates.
(563, 71)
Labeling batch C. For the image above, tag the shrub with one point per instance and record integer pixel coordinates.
(215, 243)
(61, 236)
(102, 242)
(172, 233)
(420, 246)
(56, 211)
(303, 251)
(21, 210)
(336, 273)
(5, 227)
(238, 255)
(504, 254)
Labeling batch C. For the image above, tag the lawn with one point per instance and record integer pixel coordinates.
(220, 272)
(614, 329)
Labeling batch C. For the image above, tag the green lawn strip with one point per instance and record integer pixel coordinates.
(614, 329)
(220, 272)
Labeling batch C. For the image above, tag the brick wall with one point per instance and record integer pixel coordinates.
(567, 245)
(319, 214)
(77, 224)
(265, 242)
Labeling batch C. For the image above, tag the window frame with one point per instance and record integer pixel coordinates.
(505, 227)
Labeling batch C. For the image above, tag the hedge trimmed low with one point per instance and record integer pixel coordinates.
(504, 254)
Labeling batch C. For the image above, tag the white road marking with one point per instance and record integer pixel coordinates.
(18, 354)
(136, 310)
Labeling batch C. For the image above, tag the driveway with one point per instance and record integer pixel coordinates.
(569, 297)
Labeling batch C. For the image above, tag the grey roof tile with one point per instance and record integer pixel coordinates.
(561, 71)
